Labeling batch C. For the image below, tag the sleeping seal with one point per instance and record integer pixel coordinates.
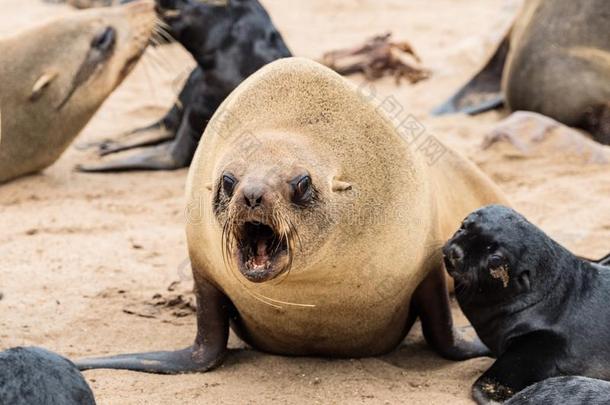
(36, 376)
(554, 61)
(314, 228)
(55, 77)
(541, 310)
(229, 42)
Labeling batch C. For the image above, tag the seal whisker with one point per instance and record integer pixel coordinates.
(163, 33)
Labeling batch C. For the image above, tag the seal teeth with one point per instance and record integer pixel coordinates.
(259, 245)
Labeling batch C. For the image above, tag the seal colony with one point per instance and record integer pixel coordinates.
(47, 98)
(555, 61)
(314, 228)
(540, 309)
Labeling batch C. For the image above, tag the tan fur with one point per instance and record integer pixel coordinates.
(384, 212)
(37, 68)
(559, 58)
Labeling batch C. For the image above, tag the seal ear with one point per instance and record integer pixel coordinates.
(42, 83)
(340, 185)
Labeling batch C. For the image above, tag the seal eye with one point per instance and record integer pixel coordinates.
(105, 40)
(302, 190)
(228, 184)
(495, 261)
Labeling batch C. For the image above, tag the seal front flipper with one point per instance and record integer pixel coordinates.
(431, 303)
(163, 130)
(483, 92)
(170, 155)
(176, 362)
(208, 351)
(527, 360)
(149, 135)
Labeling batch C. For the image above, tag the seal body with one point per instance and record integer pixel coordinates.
(528, 298)
(363, 251)
(314, 228)
(37, 376)
(564, 390)
(55, 77)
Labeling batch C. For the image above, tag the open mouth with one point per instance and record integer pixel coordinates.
(262, 254)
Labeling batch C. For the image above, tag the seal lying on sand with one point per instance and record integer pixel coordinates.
(36, 376)
(55, 77)
(229, 43)
(541, 310)
(555, 61)
(314, 228)
(564, 391)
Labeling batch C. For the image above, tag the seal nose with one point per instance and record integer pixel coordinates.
(253, 195)
(453, 255)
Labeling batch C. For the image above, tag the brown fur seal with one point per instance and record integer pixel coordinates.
(555, 61)
(314, 228)
(54, 78)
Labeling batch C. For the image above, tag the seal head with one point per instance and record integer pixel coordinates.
(55, 77)
(503, 264)
(261, 204)
(538, 307)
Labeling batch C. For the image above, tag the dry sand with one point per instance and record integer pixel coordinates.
(78, 250)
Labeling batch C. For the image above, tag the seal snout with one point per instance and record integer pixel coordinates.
(453, 256)
(262, 237)
(253, 195)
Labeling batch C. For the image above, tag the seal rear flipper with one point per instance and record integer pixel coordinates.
(484, 91)
(187, 360)
(431, 303)
(527, 360)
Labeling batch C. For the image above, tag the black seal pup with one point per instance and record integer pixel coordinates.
(541, 310)
(30, 376)
(229, 43)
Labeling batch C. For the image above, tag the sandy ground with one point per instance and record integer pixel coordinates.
(80, 251)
